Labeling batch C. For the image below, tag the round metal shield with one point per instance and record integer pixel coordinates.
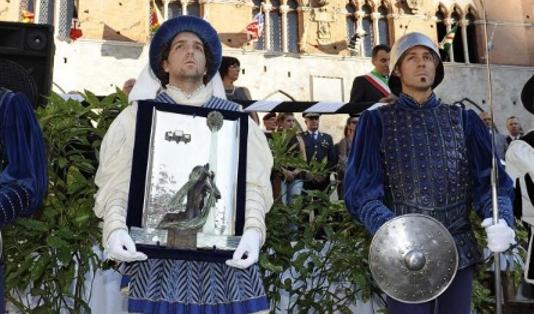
(413, 258)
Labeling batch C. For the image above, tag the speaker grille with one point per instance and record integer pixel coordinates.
(14, 77)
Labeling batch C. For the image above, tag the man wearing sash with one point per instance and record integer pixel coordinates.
(185, 55)
(373, 87)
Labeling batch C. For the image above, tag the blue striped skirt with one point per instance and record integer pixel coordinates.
(165, 286)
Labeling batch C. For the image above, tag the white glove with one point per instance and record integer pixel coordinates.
(500, 235)
(121, 247)
(250, 245)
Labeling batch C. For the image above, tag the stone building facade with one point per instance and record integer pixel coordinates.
(310, 49)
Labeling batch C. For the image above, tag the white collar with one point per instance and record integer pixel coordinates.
(198, 98)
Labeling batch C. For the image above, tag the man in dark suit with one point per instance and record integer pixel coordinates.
(373, 87)
(514, 129)
(318, 146)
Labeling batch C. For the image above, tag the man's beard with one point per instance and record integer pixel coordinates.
(192, 77)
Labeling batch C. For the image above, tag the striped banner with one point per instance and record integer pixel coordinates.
(298, 106)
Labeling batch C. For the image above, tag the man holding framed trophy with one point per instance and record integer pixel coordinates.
(184, 185)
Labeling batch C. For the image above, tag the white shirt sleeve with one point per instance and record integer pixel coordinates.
(259, 195)
(520, 159)
(519, 162)
(113, 174)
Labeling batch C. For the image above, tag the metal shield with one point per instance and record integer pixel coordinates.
(413, 258)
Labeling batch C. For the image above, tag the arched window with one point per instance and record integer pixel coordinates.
(275, 26)
(193, 8)
(383, 28)
(260, 43)
(175, 9)
(441, 31)
(472, 38)
(292, 27)
(350, 20)
(368, 29)
(46, 12)
(66, 14)
(457, 44)
(27, 5)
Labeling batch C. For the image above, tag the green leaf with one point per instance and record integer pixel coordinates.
(39, 267)
(56, 242)
(265, 263)
(34, 225)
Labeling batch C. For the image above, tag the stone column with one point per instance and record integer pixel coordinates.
(304, 15)
(360, 14)
(390, 23)
(56, 19)
(266, 8)
(285, 36)
(374, 18)
(463, 24)
(184, 6)
(448, 27)
(166, 9)
(36, 10)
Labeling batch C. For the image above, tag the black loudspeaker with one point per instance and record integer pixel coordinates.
(26, 59)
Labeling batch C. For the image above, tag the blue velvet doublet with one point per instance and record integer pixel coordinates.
(433, 159)
(23, 179)
(165, 286)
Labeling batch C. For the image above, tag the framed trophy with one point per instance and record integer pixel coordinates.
(187, 187)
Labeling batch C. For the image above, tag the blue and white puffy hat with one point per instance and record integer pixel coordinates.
(168, 30)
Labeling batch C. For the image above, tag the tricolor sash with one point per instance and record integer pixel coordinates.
(378, 83)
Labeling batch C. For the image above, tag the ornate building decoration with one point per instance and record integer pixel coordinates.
(415, 6)
(324, 16)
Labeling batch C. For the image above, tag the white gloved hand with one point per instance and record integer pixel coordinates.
(500, 235)
(250, 245)
(121, 247)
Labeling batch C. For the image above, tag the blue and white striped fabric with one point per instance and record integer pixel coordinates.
(213, 103)
(176, 286)
(167, 286)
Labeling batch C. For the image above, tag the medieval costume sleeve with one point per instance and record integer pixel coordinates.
(113, 174)
(23, 180)
(520, 166)
(478, 143)
(364, 175)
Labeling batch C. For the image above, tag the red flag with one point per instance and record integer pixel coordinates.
(254, 29)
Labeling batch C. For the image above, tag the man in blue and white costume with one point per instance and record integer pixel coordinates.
(185, 54)
(419, 155)
(23, 180)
